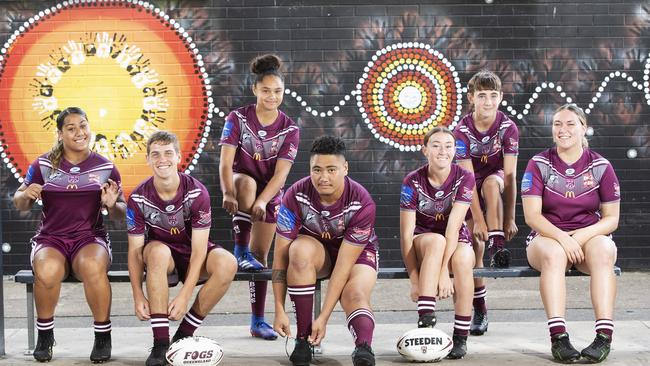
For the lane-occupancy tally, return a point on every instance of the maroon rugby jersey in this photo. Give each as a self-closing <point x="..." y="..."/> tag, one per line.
<point x="170" y="222"/>
<point x="571" y="194"/>
<point x="433" y="204"/>
<point x="259" y="147"/>
<point x="72" y="194"/>
<point x="351" y="218"/>
<point x="486" y="149"/>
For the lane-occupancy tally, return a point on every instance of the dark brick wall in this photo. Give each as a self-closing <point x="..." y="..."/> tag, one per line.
<point x="326" y="45"/>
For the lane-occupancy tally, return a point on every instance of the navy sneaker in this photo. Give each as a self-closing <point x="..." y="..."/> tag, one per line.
<point x="261" y="329"/>
<point x="247" y="263"/>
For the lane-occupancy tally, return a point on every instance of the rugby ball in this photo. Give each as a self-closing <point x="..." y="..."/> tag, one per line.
<point x="424" y="345"/>
<point x="194" y="350"/>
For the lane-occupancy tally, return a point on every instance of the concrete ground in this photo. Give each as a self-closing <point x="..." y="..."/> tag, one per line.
<point x="517" y="333"/>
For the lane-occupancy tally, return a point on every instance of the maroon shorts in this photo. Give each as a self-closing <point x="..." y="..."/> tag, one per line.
<point x="181" y="264"/>
<point x="69" y="246"/>
<point x="464" y="236"/>
<point x="369" y="256"/>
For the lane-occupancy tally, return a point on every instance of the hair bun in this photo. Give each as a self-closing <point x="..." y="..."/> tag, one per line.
<point x="265" y="63"/>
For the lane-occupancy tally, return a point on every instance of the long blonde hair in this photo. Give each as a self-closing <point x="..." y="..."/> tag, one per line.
<point x="582" y="117"/>
<point x="56" y="153"/>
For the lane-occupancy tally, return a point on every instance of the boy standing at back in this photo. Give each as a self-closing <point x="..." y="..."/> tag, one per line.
<point x="487" y="144"/>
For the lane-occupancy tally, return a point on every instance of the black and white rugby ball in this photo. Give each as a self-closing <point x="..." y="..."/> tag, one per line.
<point x="424" y="345"/>
<point x="195" y="350"/>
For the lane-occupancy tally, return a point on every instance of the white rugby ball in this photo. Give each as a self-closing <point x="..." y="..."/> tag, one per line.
<point x="424" y="345"/>
<point x="194" y="350"/>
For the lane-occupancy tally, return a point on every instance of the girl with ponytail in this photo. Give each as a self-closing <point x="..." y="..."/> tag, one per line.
<point x="74" y="184"/>
<point x="258" y="146"/>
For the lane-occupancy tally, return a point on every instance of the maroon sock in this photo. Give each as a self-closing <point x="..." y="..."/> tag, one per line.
<point x="497" y="239"/>
<point x="258" y="297"/>
<point x="479" y="299"/>
<point x="102" y="327"/>
<point x="191" y="321"/>
<point x="160" y="327"/>
<point x="556" y="325"/>
<point x="241" y="226"/>
<point x="462" y="324"/>
<point x="44" y="323"/>
<point x="361" y="324"/>
<point x="426" y="305"/>
<point x="303" y="303"/>
<point x="605" y="326"/>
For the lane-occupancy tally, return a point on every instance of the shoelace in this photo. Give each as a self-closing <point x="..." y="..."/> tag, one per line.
<point x="286" y="347"/>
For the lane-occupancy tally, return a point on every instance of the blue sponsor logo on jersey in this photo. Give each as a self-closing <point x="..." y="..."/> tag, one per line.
<point x="286" y="219"/>
<point x="407" y="195"/>
<point x="30" y="174"/>
<point x="227" y="129"/>
<point x="527" y="182"/>
<point x="461" y="148"/>
<point x="130" y="219"/>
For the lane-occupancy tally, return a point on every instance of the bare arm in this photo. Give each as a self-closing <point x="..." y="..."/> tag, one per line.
<point x="226" y="178"/>
<point x="534" y="218"/>
<point x="25" y="196"/>
<point x="606" y="225"/>
<point x="406" y="229"/>
<point x="178" y="306"/>
<point x="509" y="195"/>
<point x="136" y="271"/>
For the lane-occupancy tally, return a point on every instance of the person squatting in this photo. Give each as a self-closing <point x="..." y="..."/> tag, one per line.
<point x="460" y="201"/>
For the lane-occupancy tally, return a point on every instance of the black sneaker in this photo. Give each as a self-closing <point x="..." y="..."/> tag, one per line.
<point x="301" y="355"/>
<point x="44" y="344"/>
<point x="500" y="258"/>
<point x="102" y="348"/>
<point x="460" y="348"/>
<point x="178" y="336"/>
<point x="363" y="355"/>
<point x="563" y="350"/>
<point x="157" y="355"/>
<point x="598" y="350"/>
<point x="479" y="323"/>
<point x="427" y="320"/>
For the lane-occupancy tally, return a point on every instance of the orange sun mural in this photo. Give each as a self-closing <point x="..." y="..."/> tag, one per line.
<point x="131" y="67"/>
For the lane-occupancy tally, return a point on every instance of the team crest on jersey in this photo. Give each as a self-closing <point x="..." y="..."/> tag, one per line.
<point x="227" y="129"/>
<point x="205" y="217"/>
<point x="130" y="219"/>
<point x="406" y="195"/>
<point x="171" y="219"/>
<point x="72" y="181"/>
<point x="570" y="183"/>
<point x="526" y="182"/>
<point x="439" y="206"/>
<point x="588" y="180"/>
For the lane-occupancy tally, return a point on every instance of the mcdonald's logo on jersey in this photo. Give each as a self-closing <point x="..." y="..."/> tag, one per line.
<point x="71" y="186"/>
<point x="257" y="156"/>
<point x="326" y="235"/>
<point x="484" y="158"/>
<point x="174" y="230"/>
<point x="439" y="217"/>
<point x="570" y="194"/>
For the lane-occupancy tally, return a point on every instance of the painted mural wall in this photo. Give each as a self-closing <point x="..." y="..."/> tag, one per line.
<point x="379" y="74"/>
